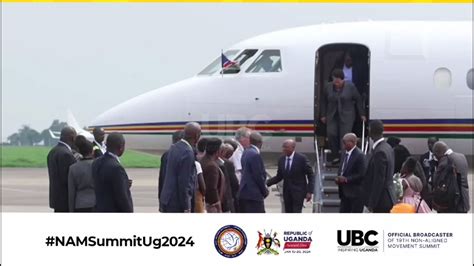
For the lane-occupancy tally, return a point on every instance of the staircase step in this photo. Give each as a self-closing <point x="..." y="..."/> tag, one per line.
<point x="331" y="189"/>
<point x="331" y="202"/>
<point x="331" y="177"/>
<point x="330" y="196"/>
<point x="328" y="183"/>
<point x="331" y="209"/>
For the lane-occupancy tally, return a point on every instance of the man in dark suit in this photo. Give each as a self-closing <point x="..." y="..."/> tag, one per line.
<point x="180" y="178"/>
<point x="98" y="144"/>
<point x="378" y="183"/>
<point x="59" y="159"/>
<point x="298" y="176"/>
<point x="340" y="103"/>
<point x="428" y="162"/>
<point x="252" y="190"/>
<point x="111" y="182"/>
<point x="177" y="136"/>
<point x="350" y="176"/>
<point x="443" y="153"/>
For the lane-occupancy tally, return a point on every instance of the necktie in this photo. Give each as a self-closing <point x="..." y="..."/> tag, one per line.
<point x="287" y="167"/>
<point x="346" y="159"/>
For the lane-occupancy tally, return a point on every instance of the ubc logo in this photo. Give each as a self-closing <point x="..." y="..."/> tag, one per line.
<point x="357" y="238"/>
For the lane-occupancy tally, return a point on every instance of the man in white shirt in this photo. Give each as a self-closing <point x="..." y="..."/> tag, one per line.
<point x="428" y="160"/>
<point x="99" y="146"/>
<point x="242" y="136"/>
<point x="347" y="68"/>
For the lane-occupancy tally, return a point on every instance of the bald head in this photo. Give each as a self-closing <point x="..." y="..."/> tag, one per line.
<point x="289" y="147"/>
<point x="439" y="149"/>
<point x="68" y="135"/>
<point x="350" y="141"/>
<point x="256" y="139"/>
<point x="192" y="132"/>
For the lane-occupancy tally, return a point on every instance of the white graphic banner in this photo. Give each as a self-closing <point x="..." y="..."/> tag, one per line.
<point x="235" y="239"/>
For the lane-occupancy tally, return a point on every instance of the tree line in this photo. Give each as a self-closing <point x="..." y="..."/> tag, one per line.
<point x="27" y="136"/>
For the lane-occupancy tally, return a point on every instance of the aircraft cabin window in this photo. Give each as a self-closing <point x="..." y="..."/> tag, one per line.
<point x="240" y="60"/>
<point x="267" y="61"/>
<point x="215" y="66"/>
<point x="469" y="79"/>
<point x="442" y="78"/>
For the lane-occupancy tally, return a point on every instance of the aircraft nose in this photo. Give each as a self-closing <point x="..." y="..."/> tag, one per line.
<point x="164" y="104"/>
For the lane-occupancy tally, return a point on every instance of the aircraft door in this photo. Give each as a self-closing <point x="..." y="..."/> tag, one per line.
<point x="354" y="60"/>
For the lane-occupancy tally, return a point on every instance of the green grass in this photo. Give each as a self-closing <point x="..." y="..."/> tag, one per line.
<point x="24" y="156"/>
<point x="135" y="159"/>
<point x="31" y="157"/>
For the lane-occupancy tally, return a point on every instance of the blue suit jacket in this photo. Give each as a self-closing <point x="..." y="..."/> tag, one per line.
<point x="180" y="179"/>
<point x="252" y="184"/>
<point x="111" y="185"/>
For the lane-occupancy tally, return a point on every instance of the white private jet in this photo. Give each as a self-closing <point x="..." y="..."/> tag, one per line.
<point x="416" y="76"/>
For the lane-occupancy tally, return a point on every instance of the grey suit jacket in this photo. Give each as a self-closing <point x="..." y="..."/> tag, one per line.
<point x="81" y="185"/>
<point x="462" y="168"/>
<point x="345" y="102"/>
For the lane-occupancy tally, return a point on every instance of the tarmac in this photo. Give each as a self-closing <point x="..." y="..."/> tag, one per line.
<point x="27" y="190"/>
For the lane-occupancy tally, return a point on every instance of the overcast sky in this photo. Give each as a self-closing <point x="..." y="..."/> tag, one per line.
<point x="90" y="57"/>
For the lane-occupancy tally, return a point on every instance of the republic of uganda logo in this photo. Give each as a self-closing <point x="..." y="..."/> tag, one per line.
<point x="230" y="241"/>
<point x="267" y="243"/>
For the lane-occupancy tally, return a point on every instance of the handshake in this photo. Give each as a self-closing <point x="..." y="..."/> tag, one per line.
<point x="271" y="182"/>
<point x="268" y="183"/>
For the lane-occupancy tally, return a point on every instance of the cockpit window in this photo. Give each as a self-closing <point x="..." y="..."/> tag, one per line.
<point x="216" y="64"/>
<point x="267" y="61"/>
<point x="240" y="61"/>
